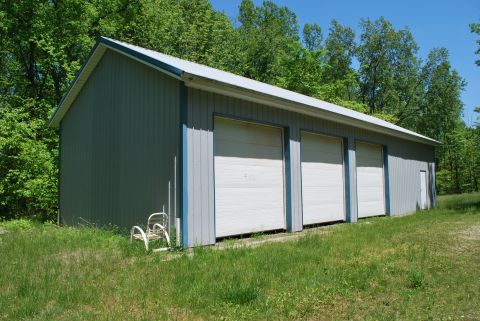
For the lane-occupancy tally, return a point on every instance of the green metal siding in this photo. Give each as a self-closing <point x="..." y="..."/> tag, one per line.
<point x="119" y="146"/>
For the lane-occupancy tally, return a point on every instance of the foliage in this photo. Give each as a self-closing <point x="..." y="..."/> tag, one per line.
<point x="475" y="27"/>
<point x="340" y="49"/>
<point x="43" y="44"/>
<point x="460" y="161"/>
<point x="422" y="266"/>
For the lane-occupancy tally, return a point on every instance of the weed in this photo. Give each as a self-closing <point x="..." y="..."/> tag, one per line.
<point x="406" y="268"/>
<point x="416" y="279"/>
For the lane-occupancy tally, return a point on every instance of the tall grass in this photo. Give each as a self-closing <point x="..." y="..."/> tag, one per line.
<point x="414" y="267"/>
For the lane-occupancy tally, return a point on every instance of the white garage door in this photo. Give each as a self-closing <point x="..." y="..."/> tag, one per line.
<point x="322" y="179"/>
<point x="249" y="194"/>
<point x="370" y="181"/>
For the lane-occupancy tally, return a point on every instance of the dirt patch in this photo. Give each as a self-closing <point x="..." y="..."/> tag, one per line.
<point x="467" y="239"/>
<point x="2" y="230"/>
<point x="270" y="238"/>
<point x="78" y="256"/>
<point x="471" y="234"/>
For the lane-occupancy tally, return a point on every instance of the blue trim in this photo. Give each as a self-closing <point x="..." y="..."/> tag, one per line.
<point x="387" y="180"/>
<point x="355" y="218"/>
<point x="301" y="173"/>
<point x="59" y="174"/>
<point x="368" y="141"/>
<point x="346" y="164"/>
<point x="214" y="196"/>
<point x="319" y="132"/>
<point x="288" y="179"/>
<point x="433" y="172"/>
<point x="184" y="162"/>
<point x="136" y="54"/>
<point x="248" y="120"/>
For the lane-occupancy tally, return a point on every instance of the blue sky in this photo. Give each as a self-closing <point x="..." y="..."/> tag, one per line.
<point x="439" y="23"/>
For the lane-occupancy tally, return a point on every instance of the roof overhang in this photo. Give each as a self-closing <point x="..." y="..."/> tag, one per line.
<point x="286" y="100"/>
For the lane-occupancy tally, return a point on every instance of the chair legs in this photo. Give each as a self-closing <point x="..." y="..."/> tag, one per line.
<point x="137" y="233"/>
<point x="142" y="233"/>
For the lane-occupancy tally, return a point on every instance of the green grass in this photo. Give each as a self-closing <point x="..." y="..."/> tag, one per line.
<point x="424" y="266"/>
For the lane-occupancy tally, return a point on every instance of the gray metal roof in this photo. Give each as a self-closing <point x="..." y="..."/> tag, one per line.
<point x="208" y="78"/>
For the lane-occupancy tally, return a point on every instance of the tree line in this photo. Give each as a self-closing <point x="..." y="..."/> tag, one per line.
<point x="43" y="43"/>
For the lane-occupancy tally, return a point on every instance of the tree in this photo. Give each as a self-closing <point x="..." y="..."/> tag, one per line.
<point x="186" y="29"/>
<point x="43" y="46"/>
<point x="340" y="80"/>
<point x="440" y="106"/>
<point x="44" y="42"/>
<point x="340" y="50"/>
<point x="269" y="37"/>
<point x="388" y="66"/>
<point x="477" y="123"/>
<point x="304" y="65"/>
<point x="475" y="28"/>
<point x="312" y="37"/>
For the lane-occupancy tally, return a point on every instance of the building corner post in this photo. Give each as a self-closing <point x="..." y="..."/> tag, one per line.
<point x="386" y="180"/>
<point x="288" y="181"/>
<point x="352" y="179"/>
<point x="346" y="159"/>
<point x="184" y="163"/>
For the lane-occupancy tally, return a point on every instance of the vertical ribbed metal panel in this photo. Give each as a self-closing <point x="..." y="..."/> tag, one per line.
<point x="352" y="163"/>
<point x="405" y="159"/>
<point x="120" y="145"/>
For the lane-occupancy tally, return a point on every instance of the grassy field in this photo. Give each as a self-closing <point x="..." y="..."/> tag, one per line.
<point x="424" y="266"/>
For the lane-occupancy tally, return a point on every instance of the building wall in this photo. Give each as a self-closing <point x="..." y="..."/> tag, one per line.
<point x="119" y="146"/>
<point x="405" y="160"/>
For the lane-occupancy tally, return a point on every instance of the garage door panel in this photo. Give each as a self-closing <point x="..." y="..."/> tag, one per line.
<point x="244" y="150"/>
<point x="370" y="194"/>
<point x="310" y="157"/>
<point x="247" y="174"/>
<point x="310" y="141"/>
<point x="323" y="196"/>
<point x="329" y="214"/>
<point x="322" y="179"/>
<point x="370" y="180"/>
<point x="372" y="207"/>
<point x="249" y="183"/>
<point x="244" y="201"/>
<point x="231" y="131"/>
<point x="329" y="179"/>
<point x="326" y="168"/>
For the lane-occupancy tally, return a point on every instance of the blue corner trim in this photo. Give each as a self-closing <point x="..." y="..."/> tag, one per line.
<point x="184" y="162"/>
<point x="141" y="56"/>
<point x="346" y="160"/>
<point x="288" y="179"/>
<point x="59" y="175"/>
<point x="387" y="180"/>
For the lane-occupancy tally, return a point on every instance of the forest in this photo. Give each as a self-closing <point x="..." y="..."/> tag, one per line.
<point x="377" y="71"/>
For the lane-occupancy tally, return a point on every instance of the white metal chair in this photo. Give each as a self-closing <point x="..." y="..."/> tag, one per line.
<point x="157" y="228"/>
